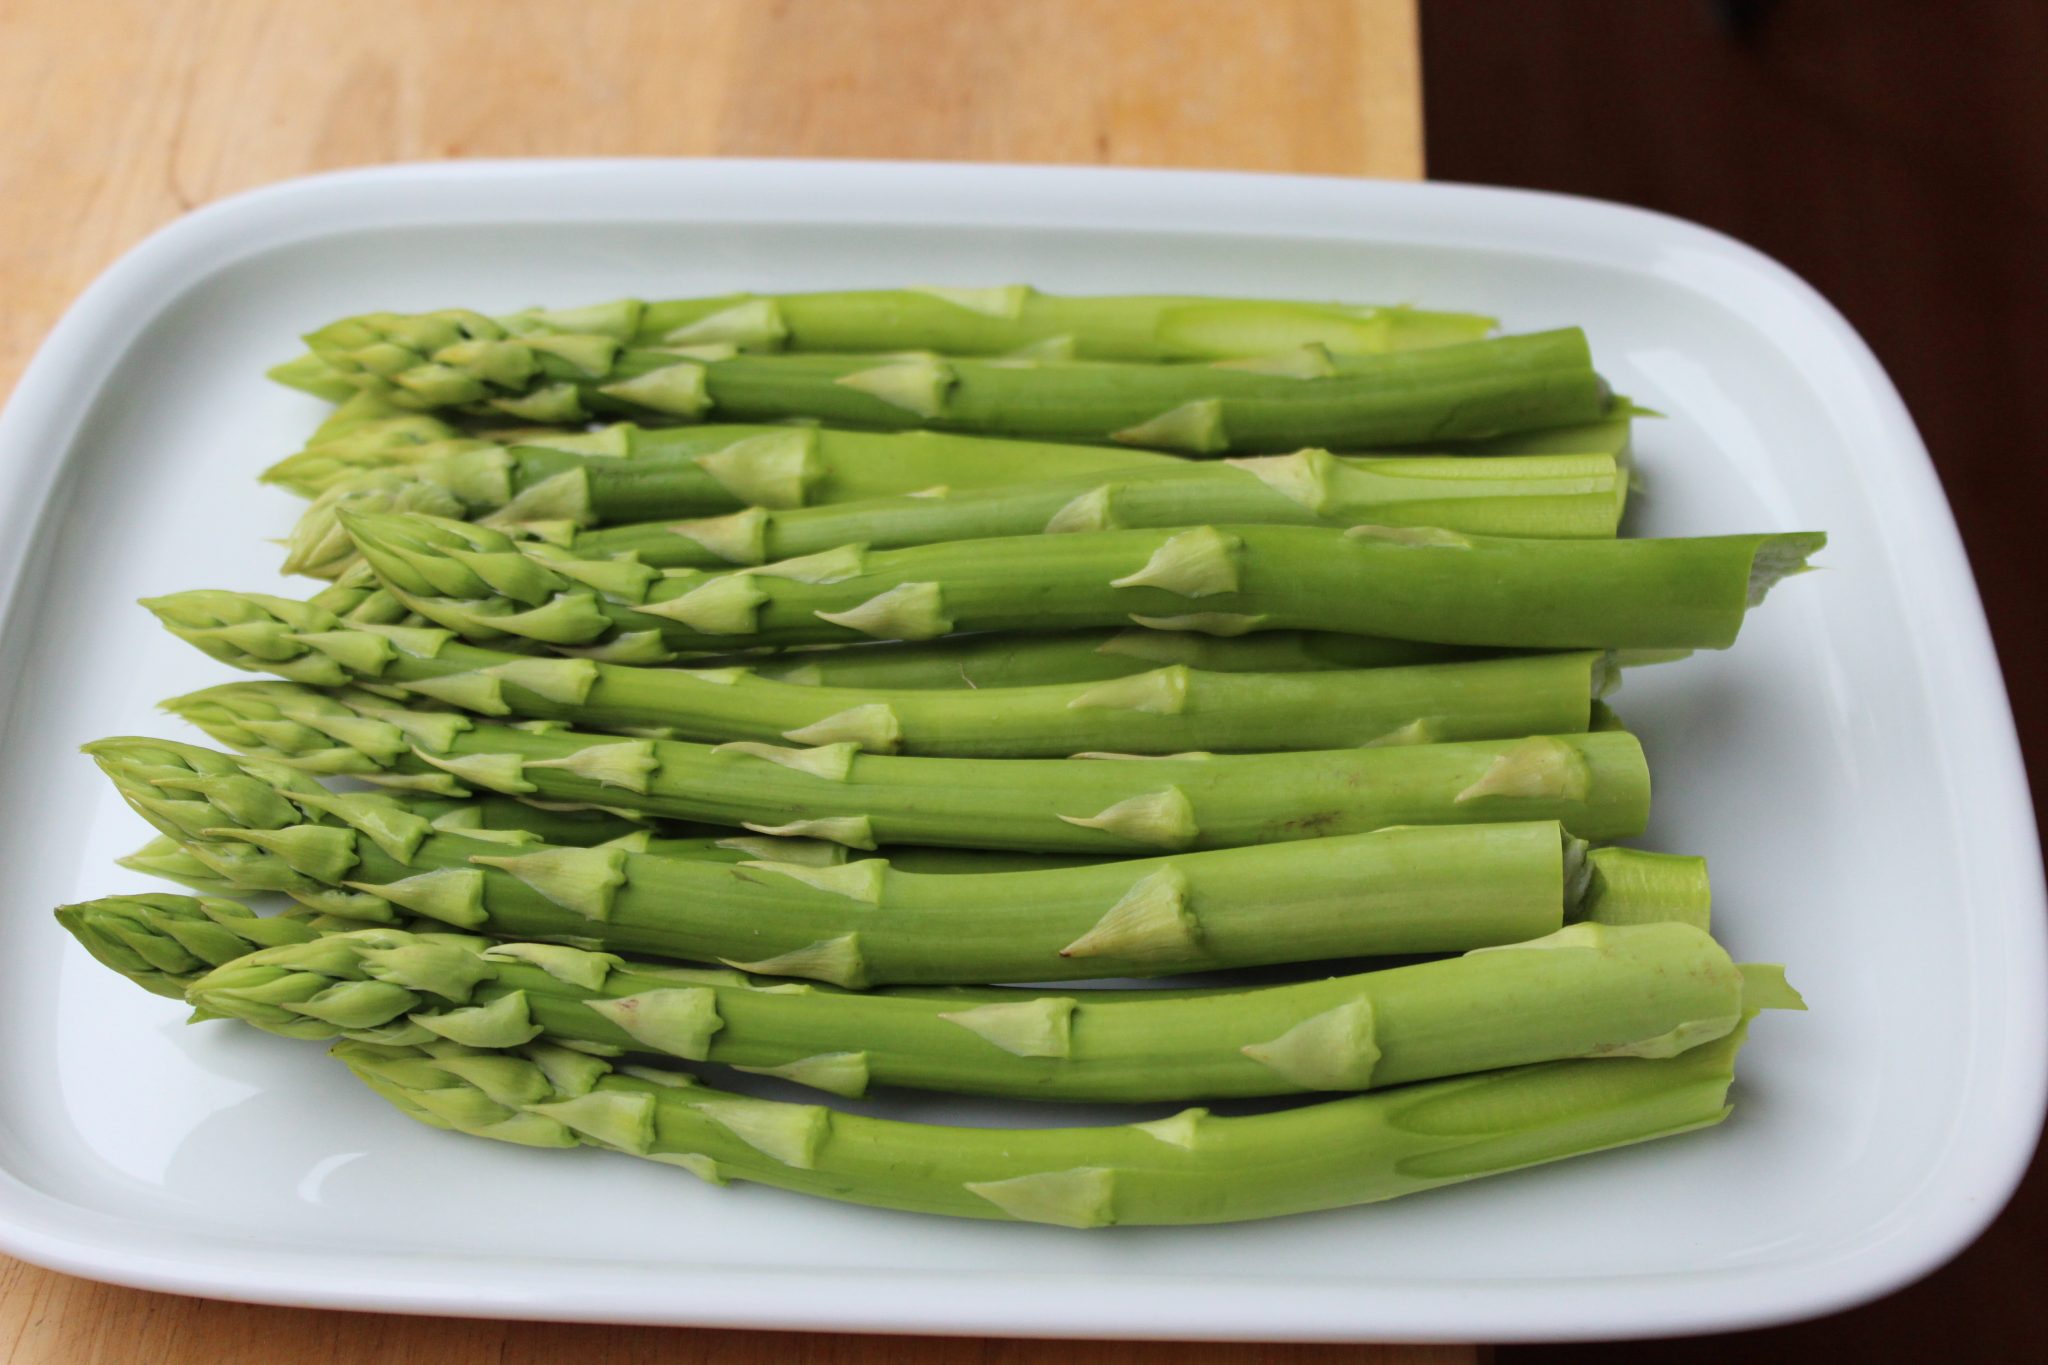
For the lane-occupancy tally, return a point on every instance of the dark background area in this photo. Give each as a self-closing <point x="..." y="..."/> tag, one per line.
<point x="1895" y="154"/>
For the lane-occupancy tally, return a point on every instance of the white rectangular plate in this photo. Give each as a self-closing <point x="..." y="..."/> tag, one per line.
<point x="1850" y="769"/>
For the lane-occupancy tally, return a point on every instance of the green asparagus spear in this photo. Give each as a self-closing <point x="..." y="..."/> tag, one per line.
<point x="486" y="815"/>
<point x="153" y="940"/>
<point x="1596" y="784"/>
<point x="1270" y="404"/>
<point x="1409" y="889"/>
<point x="1081" y="656"/>
<point x="981" y="321"/>
<point x="1553" y="496"/>
<point x="989" y="660"/>
<point x="630" y="474"/>
<point x="1413" y="583"/>
<point x="1193" y="1167"/>
<point x="501" y="819"/>
<point x="504" y="819"/>
<point x="1587" y="990"/>
<point x="165" y="857"/>
<point x="1170" y="710"/>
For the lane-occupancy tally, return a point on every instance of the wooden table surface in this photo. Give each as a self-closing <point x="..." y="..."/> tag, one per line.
<point x="122" y="114"/>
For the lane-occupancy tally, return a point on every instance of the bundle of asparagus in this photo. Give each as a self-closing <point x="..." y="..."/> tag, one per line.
<point x="788" y="748"/>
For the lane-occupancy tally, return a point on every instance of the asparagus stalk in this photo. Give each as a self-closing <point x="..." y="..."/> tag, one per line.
<point x="630" y="474"/>
<point x="166" y="857"/>
<point x="1169" y="710"/>
<point x="1596" y="784"/>
<point x="1418" y="584"/>
<point x="1395" y="890"/>
<point x="1082" y="656"/>
<point x="984" y="321"/>
<point x="1585" y="991"/>
<point x="154" y="940"/>
<point x="625" y="472"/>
<point x="990" y="660"/>
<point x="1541" y="496"/>
<point x="1271" y="404"/>
<point x="150" y="942"/>
<point x="504" y="820"/>
<point x="1194" y="1167"/>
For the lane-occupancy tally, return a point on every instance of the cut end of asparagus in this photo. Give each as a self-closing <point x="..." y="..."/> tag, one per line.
<point x="1605" y="674"/>
<point x="1578" y="869"/>
<point x="1780" y="557"/>
<point x="1764" y="987"/>
<point x="1629" y="886"/>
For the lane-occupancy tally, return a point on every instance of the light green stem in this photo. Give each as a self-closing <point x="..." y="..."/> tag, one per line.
<point x="1414" y="583"/>
<point x="1597" y="784"/>
<point x="503" y="820"/>
<point x="1588" y="990"/>
<point x="630" y="474"/>
<point x="1272" y="404"/>
<point x="154" y="938"/>
<point x="1538" y="496"/>
<point x="1194" y="1167"/>
<point x="1080" y="656"/>
<point x="1407" y="889"/>
<point x="979" y="321"/>
<point x="1169" y="710"/>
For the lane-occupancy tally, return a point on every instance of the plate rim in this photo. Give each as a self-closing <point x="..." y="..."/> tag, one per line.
<point x="1955" y="1201"/>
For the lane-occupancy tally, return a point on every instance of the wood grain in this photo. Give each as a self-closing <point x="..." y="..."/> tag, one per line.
<point x="122" y="114"/>
<point x="50" y="1319"/>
